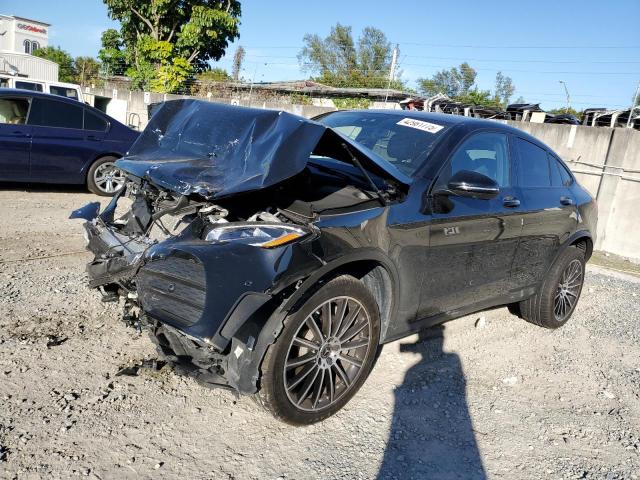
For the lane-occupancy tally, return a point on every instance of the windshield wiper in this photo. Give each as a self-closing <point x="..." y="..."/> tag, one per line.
<point x="357" y="163"/>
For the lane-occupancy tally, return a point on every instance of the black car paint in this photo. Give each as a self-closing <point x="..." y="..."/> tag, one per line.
<point x="424" y="264"/>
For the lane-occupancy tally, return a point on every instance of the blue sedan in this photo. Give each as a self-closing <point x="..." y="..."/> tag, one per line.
<point x="51" y="139"/>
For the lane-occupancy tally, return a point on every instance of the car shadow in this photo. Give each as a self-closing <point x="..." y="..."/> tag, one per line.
<point x="432" y="433"/>
<point x="43" y="187"/>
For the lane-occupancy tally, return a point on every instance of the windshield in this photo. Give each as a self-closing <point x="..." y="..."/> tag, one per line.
<point x="404" y="142"/>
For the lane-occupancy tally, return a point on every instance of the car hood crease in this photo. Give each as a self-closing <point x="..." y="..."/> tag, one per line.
<point x="217" y="150"/>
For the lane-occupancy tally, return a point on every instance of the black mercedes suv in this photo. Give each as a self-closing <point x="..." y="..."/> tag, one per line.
<point x="274" y="255"/>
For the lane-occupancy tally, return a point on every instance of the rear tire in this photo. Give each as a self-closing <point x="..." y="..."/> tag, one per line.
<point x="103" y="178"/>
<point x="324" y="354"/>
<point x="558" y="296"/>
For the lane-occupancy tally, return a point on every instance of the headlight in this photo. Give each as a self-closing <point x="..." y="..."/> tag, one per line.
<point x="260" y="235"/>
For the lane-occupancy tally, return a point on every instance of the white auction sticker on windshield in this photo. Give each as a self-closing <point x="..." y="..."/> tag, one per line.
<point x="420" y="125"/>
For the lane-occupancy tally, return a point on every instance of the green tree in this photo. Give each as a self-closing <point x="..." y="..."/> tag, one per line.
<point x="66" y="70"/>
<point x="481" y="98"/>
<point x="563" y="110"/>
<point x="238" y="58"/>
<point x="337" y="61"/>
<point x="87" y="70"/>
<point x="214" y="75"/>
<point x="166" y="41"/>
<point x="504" y="88"/>
<point x="112" y="54"/>
<point x="453" y="82"/>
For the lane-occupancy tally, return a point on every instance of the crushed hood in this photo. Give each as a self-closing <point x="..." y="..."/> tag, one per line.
<point x="217" y="150"/>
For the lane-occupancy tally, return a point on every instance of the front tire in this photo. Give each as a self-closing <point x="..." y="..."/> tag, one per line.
<point x="104" y="178"/>
<point x="323" y="355"/>
<point x="558" y="296"/>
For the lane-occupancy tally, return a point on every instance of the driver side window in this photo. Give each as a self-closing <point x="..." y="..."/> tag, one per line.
<point x="485" y="153"/>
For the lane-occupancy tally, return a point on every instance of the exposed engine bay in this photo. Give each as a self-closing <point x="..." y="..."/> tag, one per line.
<point x="204" y="268"/>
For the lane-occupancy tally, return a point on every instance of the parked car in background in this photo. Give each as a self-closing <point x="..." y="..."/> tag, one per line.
<point x="62" y="89"/>
<point x="259" y="267"/>
<point x="50" y="139"/>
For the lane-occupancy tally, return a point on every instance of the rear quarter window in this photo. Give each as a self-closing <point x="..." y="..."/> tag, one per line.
<point x="94" y="122"/>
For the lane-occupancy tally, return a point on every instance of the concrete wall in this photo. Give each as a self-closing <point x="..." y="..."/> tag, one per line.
<point x="606" y="161"/>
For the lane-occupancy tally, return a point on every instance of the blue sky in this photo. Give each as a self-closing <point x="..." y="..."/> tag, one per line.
<point x="592" y="45"/>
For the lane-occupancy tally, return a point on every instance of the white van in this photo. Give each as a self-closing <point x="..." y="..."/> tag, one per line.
<point x="69" y="90"/>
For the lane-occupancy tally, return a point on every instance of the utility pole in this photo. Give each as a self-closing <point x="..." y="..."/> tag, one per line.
<point x="566" y="91"/>
<point x="392" y="71"/>
<point x="634" y="105"/>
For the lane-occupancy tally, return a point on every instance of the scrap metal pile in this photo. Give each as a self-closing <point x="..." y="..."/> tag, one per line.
<point x="525" y="112"/>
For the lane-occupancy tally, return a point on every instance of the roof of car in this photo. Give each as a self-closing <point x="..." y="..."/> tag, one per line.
<point x="31" y="93"/>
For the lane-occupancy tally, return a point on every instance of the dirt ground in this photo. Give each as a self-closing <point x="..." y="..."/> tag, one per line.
<point x="487" y="396"/>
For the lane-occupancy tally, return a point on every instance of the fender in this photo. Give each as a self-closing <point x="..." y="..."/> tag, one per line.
<point x="567" y="243"/>
<point x="244" y="366"/>
<point x="361" y="255"/>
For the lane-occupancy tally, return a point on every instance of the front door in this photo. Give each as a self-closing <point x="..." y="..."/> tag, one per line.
<point x="473" y="241"/>
<point x="15" y="139"/>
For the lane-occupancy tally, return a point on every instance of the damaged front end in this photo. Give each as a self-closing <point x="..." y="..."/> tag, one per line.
<point x="204" y="282"/>
<point x="222" y="227"/>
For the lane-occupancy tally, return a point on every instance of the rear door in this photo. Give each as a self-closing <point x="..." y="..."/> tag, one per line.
<point x="549" y="212"/>
<point x="59" y="150"/>
<point x="473" y="241"/>
<point x="15" y="138"/>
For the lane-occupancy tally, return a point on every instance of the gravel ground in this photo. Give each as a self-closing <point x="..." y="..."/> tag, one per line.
<point x="487" y="396"/>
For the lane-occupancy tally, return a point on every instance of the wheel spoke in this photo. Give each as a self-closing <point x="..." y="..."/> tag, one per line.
<point x="306" y="388"/>
<point x="325" y="315"/>
<point x="303" y="342"/>
<point x="363" y="342"/>
<point x="342" y="374"/>
<point x="332" y="387"/>
<point x="302" y="375"/>
<point x="352" y="360"/>
<point x="297" y="362"/>
<point x="353" y="331"/>
<point x="319" y="389"/>
<point x="349" y="320"/>
<point x="341" y="311"/>
<point x="314" y="328"/>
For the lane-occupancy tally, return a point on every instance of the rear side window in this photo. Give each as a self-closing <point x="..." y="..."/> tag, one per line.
<point x="49" y="113"/>
<point x="485" y="153"/>
<point x="533" y="164"/>
<point x="34" y="87"/>
<point x="14" y="110"/>
<point x="565" y="180"/>
<point x="64" y="91"/>
<point x="94" y="122"/>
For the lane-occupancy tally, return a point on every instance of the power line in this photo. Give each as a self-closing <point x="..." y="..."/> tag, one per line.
<point x="536" y="47"/>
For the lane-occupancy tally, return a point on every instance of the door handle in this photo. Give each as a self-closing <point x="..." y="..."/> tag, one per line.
<point x="93" y="138"/>
<point x="566" y="200"/>
<point x="21" y="134"/>
<point x="510" y="202"/>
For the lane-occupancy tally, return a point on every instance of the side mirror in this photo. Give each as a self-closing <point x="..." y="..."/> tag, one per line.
<point x="466" y="183"/>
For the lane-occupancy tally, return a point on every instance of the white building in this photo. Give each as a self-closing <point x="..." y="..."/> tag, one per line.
<point x="19" y="37"/>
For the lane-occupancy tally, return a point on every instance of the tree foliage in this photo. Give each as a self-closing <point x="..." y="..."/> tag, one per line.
<point x="87" y="70"/>
<point x="166" y="41"/>
<point x="504" y="88"/>
<point x="338" y="61"/>
<point x="238" y="59"/>
<point x="453" y="82"/>
<point x="67" y="69"/>
<point x="112" y="53"/>
<point x="458" y="83"/>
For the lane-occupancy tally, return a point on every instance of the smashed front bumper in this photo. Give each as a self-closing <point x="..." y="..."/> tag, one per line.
<point x="205" y="304"/>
